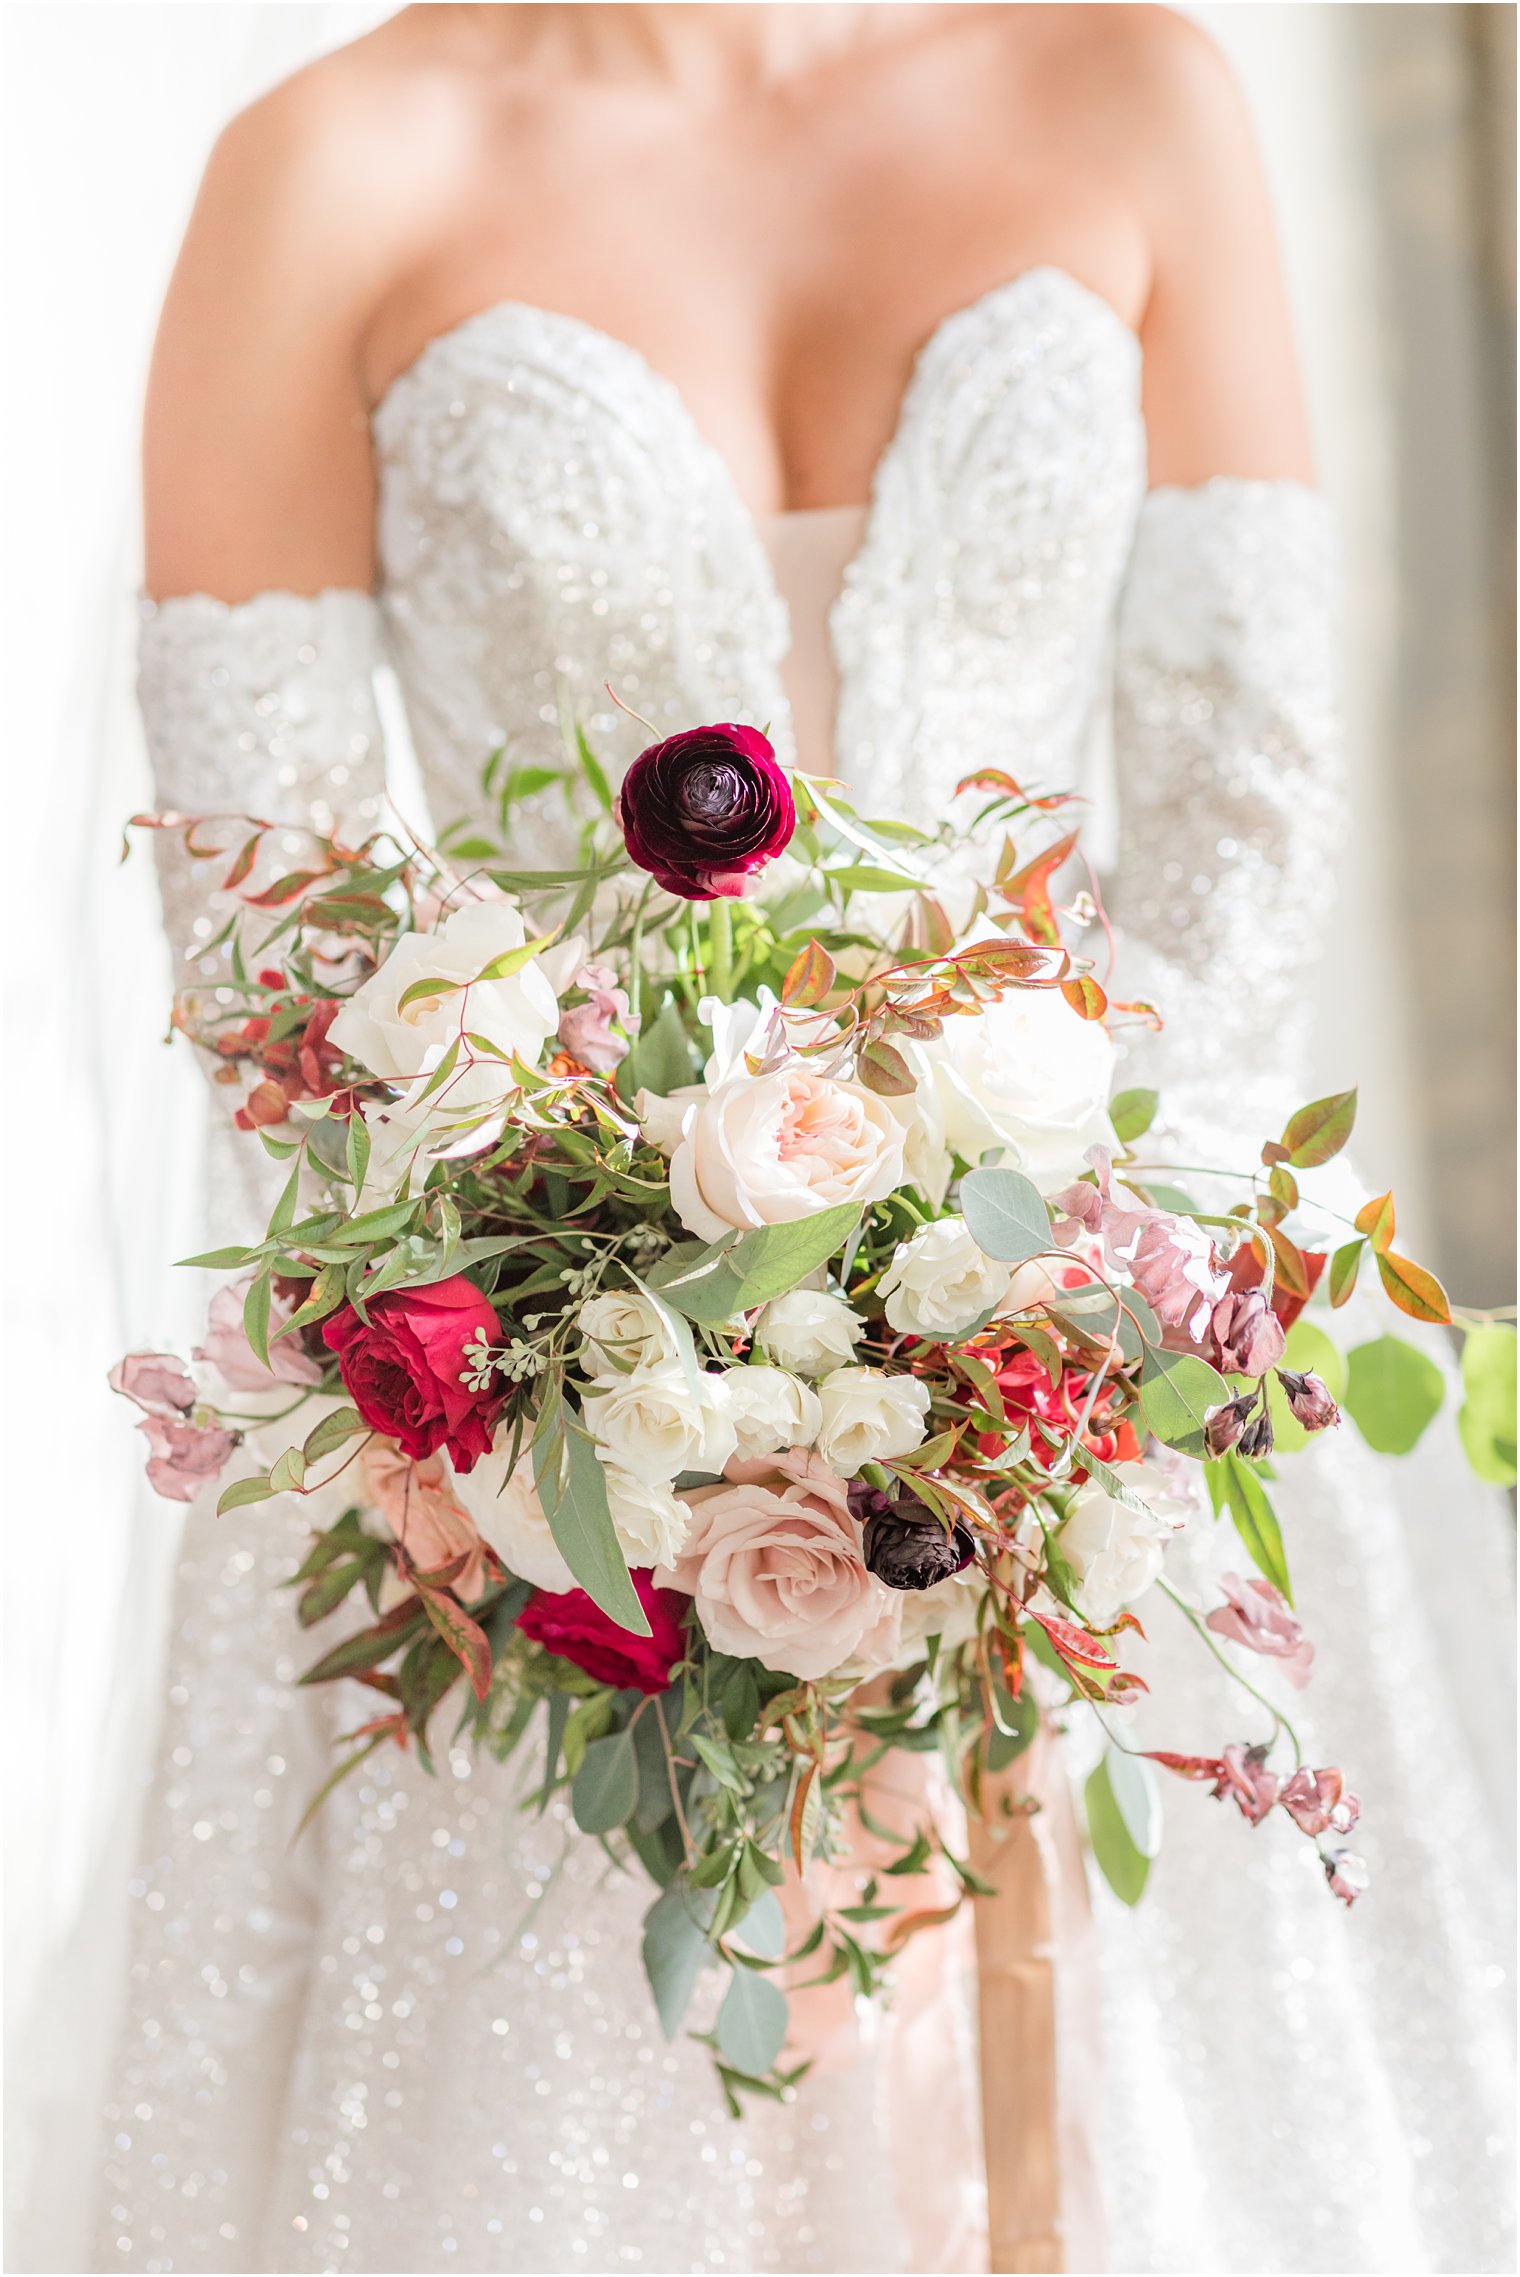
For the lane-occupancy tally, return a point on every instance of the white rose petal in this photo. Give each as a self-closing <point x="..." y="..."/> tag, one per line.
<point x="1115" y="1552"/>
<point x="809" y="1331"/>
<point x="509" y="1515"/>
<point x="651" y="1524"/>
<point x="869" y="1416"/>
<point x="622" y="1331"/>
<point x="947" y="1611"/>
<point x="770" y="1410"/>
<point x="940" y="1281"/>
<point x="517" y="1014"/>
<point x="649" y="1425"/>
<point x="1027" y="1079"/>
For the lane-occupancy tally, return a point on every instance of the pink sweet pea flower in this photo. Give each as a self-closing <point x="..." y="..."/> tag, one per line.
<point x="1259" y="1617"/>
<point x="1248" y="1336"/>
<point x="586" y="1030"/>
<point x="228" y="1351"/>
<point x="184" y="1456"/>
<point x="156" y="1381"/>
<point x="1317" y="1802"/>
<point x="1346" y="1873"/>
<point x="1245" y="1781"/>
<point x="1170" y="1261"/>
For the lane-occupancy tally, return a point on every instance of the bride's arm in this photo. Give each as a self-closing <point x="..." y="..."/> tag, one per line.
<point x="1226" y="727"/>
<point x="257" y="665"/>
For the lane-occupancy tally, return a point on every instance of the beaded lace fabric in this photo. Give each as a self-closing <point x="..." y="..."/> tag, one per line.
<point x="420" y="2039"/>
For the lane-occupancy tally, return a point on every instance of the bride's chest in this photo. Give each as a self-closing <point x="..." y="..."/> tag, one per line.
<point x="551" y="519"/>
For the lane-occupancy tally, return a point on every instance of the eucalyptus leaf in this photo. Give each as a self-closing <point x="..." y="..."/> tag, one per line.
<point x="606" y="1787"/>
<point x="1177" y="1390"/>
<point x="676" y="1949"/>
<point x="763" y="1929"/>
<point x="1006" y="1215"/>
<point x="752" y="2022"/>
<point x="1137" y="1795"/>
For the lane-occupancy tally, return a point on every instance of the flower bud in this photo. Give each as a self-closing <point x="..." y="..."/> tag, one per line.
<point x="1309" y="1400"/>
<point x="1256" y="1439"/>
<point x="1346" y="1873"/>
<point x="906" y="1545"/>
<point x="1222" y="1426"/>
<point x="1248" y="1336"/>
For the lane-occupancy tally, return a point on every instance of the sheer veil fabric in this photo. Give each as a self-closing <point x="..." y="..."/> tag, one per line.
<point x="421" y="2042"/>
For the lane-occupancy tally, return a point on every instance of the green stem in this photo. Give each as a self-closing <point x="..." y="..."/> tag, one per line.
<point x="720" y="948"/>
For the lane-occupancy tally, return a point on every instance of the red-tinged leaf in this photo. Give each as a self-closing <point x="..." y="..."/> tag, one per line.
<point x="1141" y="1010"/>
<point x="809" y="977"/>
<point x="1013" y="1666"/>
<point x="995" y="779"/>
<point x="1126" y="1621"/>
<point x="1292" y="1271"/>
<point x="1375" y="1220"/>
<point x="369" y="1647"/>
<point x="906" y="1925"/>
<point x="1186" y="1766"/>
<point x="1319" y="1131"/>
<point x="1412" y="1289"/>
<point x="801" y="1822"/>
<point x="932" y="929"/>
<point x="265" y="1104"/>
<point x="1074" y="1645"/>
<point x="1030" y="886"/>
<point x="882" y="1068"/>
<point x="465" y="1638"/>
<point x="1343" y="1271"/>
<point x="288" y="888"/>
<point x="1124" y="1687"/>
<point x="1285" y="1303"/>
<point x="1085" y="996"/>
<point x="1273" y="1152"/>
<point x="243" y="862"/>
<point x="1283" y="1186"/>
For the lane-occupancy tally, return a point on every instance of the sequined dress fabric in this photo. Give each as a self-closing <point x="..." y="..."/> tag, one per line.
<point x="419" y="2038"/>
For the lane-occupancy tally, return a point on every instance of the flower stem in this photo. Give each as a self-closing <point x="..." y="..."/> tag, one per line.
<point x="720" y="948"/>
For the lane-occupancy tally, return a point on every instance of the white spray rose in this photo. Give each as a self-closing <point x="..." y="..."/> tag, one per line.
<point x="1115" y="1552"/>
<point x="508" y="1514"/>
<point x="770" y="1410"/>
<point x="940" y="1281"/>
<point x="1028" y="1079"/>
<point x="622" y="1330"/>
<point x="651" y="1524"/>
<point x="947" y="1611"/>
<point x="809" y="1331"/>
<point x="517" y="1014"/>
<point x="651" y="1426"/>
<point x="869" y="1416"/>
<point x="772" y="1149"/>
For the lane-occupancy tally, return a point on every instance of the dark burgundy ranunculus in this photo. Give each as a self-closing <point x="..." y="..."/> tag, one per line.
<point x="403" y="1370"/>
<point x="573" y="1625"/>
<point x="705" y="809"/>
<point x="905" y="1544"/>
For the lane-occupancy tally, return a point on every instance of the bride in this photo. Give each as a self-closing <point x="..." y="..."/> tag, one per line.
<point x="915" y="380"/>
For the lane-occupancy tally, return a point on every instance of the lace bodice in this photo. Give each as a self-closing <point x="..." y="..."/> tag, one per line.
<point x="424" y="2046"/>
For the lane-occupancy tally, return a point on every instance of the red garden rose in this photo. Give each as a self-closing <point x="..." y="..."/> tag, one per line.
<point x="403" y="1370"/>
<point x="705" y="808"/>
<point x="573" y="1625"/>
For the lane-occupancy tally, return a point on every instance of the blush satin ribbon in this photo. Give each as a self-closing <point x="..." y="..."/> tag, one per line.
<point x="1004" y="2180"/>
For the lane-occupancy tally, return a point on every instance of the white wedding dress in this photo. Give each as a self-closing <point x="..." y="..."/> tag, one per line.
<point x="420" y="2040"/>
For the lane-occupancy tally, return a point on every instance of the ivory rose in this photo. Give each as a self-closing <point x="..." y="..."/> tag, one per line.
<point x="770" y="1149"/>
<point x="869" y="1416"/>
<point x="939" y="1282"/>
<point x="516" y="1014"/>
<point x="1115" y="1552"/>
<point x="774" y="1563"/>
<point x="809" y="1331"/>
<point x="622" y="1331"/>
<point x="505" y="1507"/>
<point x="769" y="1410"/>
<point x="651" y="1425"/>
<point x="650" y="1520"/>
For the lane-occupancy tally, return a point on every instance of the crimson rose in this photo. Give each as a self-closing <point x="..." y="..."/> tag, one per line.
<point x="573" y="1625"/>
<point x="703" y="809"/>
<point x="403" y="1370"/>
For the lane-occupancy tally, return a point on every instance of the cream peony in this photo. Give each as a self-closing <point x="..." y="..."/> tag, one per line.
<point x="773" y="1561"/>
<point x="517" y="1014"/>
<point x="505" y="1507"/>
<point x="1026" y="1079"/>
<point x="650" y="1425"/>
<point x="769" y="1410"/>
<point x="651" y="1522"/>
<point x="622" y="1331"/>
<point x="1115" y="1552"/>
<point x="939" y="1282"/>
<point x="770" y="1149"/>
<point x="869" y="1416"/>
<point x="809" y="1331"/>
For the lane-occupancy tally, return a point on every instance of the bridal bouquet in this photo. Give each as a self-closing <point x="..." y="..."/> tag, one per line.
<point x="717" y="1297"/>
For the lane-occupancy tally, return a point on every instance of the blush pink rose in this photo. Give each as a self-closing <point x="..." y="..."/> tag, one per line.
<point x="228" y="1351"/>
<point x="775" y="1564"/>
<point x="422" y="1515"/>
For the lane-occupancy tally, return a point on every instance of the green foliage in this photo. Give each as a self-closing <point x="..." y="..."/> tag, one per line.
<point x="1177" y="1390"/>
<point x="1132" y="1114"/>
<point x="1250" y="1506"/>
<point x="752" y="2022"/>
<point x="1486" y="1418"/>
<point x="606" y="1787"/>
<point x="573" y="1490"/>
<point x="1124" y="1865"/>
<point x="1005" y="1214"/>
<point x="1392" y="1392"/>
